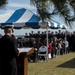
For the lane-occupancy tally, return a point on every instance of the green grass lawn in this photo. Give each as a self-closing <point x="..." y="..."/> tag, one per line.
<point x="61" y="65"/>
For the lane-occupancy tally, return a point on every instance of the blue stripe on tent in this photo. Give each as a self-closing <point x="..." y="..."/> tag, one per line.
<point x="36" y="27"/>
<point x="63" y="27"/>
<point x="16" y="15"/>
<point x="33" y="22"/>
<point x="58" y="24"/>
<point x="3" y="24"/>
<point x="17" y="27"/>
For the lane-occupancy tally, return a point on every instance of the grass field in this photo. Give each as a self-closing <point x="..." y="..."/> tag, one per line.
<point x="61" y="65"/>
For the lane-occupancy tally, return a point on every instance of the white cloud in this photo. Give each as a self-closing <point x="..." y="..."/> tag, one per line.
<point x="28" y="6"/>
<point x="9" y="11"/>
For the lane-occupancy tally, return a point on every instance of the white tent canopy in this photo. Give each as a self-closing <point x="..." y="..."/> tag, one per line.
<point x="26" y="18"/>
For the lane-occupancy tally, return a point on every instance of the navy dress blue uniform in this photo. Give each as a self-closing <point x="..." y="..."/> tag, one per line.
<point x="8" y="54"/>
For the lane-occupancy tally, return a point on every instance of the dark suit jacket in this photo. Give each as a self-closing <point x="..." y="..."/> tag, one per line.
<point x="8" y="53"/>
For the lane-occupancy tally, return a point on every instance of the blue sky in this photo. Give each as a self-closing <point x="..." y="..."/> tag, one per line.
<point x="17" y="4"/>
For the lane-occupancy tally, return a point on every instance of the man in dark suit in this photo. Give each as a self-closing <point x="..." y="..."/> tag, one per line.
<point x="8" y="53"/>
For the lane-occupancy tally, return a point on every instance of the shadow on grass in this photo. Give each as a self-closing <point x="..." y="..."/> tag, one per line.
<point x="68" y="64"/>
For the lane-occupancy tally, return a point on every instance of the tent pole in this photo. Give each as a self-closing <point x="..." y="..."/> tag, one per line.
<point x="47" y="43"/>
<point x="65" y="41"/>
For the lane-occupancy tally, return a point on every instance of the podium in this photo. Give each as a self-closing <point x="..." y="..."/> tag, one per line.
<point x="22" y="60"/>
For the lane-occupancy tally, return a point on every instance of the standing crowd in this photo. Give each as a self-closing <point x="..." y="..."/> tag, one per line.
<point x="58" y="42"/>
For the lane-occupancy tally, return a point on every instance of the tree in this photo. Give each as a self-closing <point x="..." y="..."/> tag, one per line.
<point x="3" y="3"/>
<point x="60" y="7"/>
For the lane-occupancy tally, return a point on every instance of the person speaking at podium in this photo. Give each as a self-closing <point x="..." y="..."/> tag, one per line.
<point x="8" y="53"/>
